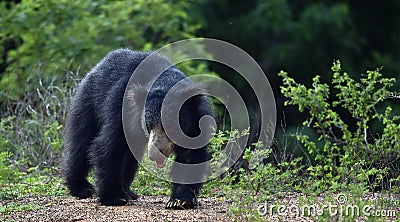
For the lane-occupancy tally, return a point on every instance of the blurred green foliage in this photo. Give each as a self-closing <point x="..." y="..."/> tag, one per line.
<point x="54" y="35"/>
<point x="305" y="36"/>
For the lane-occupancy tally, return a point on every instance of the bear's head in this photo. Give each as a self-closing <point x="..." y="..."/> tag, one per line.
<point x="185" y="104"/>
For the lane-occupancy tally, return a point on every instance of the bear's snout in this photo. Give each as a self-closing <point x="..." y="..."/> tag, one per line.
<point x="159" y="147"/>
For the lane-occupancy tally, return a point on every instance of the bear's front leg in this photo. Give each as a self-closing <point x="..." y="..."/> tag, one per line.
<point x="184" y="196"/>
<point x="187" y="173"/>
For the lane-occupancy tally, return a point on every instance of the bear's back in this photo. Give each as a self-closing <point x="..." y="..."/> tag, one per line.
<point x="110" y="77"/>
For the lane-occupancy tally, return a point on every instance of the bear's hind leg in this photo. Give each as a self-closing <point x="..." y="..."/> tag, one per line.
<point x="130" y="169"/>
<point x="139" y="142"/>
<point x="110" y="159"/>
<point x="76" y="181"/>
<point x="80" y="132"/>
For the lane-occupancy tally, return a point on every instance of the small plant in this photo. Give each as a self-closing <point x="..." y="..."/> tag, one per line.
<point x="365" y="148"/>
<point x="7" y="173"/>
<point x="147" y="183"/>
<point x="15" y="182"/>
<point x="245" y="190"/>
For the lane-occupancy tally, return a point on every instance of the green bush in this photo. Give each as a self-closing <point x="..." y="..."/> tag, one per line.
<point x="358" y="145"/>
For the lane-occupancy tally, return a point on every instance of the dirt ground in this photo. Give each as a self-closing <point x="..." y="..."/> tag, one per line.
<point x="146" y="208"/>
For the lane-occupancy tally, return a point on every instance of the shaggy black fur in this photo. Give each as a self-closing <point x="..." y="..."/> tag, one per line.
<point x="94" y="134"/>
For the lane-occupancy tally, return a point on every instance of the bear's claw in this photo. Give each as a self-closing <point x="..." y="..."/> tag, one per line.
<point x="177" y="204"/>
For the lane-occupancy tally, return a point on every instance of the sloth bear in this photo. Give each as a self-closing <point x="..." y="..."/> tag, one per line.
<point x="95" y="138"/>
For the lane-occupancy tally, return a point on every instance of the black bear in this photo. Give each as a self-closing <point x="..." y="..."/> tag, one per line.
<point x="95" y="138"/>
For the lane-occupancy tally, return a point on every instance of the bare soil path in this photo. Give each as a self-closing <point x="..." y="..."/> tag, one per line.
<point x="147" y="208"/>
<point x="151" y="208"/>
